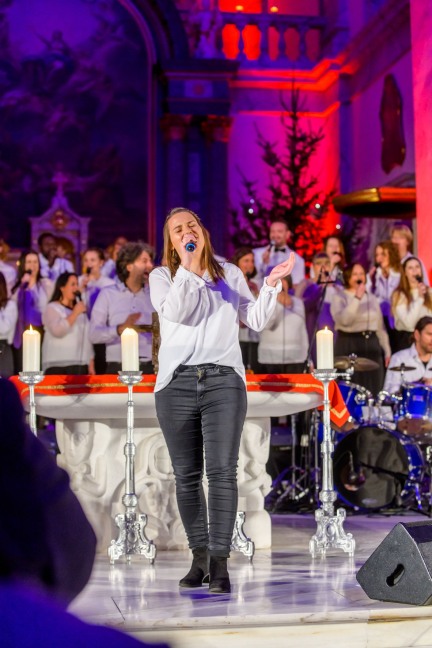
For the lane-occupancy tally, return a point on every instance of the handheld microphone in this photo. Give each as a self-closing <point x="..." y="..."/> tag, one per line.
<point x="359" y="281"/>
<point x="419" y="278"/>
<point x="190" y="246"/>
<point x="271" y="245"/>
<point x="77" y="294"/>
<point x="27" y="274"/>
<point x="88" y="271"/>
<point x="376" y="265"/>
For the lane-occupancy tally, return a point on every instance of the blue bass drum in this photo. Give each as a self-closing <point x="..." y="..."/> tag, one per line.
<point x="375" y="467"/>
<point x="356" y="398"/>
<point x="414" y="414"/>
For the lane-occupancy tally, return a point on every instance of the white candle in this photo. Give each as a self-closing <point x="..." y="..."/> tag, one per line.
<point x="31" y="350"/>
<point x="129" y="350"/>
<point x="324" y="343"/>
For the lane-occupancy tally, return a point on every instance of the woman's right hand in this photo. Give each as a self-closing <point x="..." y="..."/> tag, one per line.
<point x="190" y="260"/>
<point x="360" y="290"/>
<point x="422" y="289"/>
<point x="84" y="281"/>
<point x="79" y="308"/>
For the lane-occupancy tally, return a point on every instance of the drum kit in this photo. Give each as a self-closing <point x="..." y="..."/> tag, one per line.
<point x="383" y="460"/>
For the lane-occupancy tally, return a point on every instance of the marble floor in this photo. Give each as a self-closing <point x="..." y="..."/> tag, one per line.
<point x="283" y="599"/>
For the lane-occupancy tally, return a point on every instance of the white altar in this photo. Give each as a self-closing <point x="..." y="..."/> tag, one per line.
<point x="90" y="429"/>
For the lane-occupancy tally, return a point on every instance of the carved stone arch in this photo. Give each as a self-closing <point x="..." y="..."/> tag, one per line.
<point x="166" y="27"/>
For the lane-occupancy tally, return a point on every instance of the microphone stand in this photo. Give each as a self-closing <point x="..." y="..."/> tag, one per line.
<point x="306" y="367"/>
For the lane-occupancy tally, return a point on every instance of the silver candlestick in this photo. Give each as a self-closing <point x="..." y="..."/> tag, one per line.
<point x="31" y="378"/>
<point x="132" y="539"/>
<point x="240" y="541"/>
<point x="330" y="533"/>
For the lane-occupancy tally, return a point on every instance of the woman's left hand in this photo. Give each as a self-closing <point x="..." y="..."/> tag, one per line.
<point x="280" y="271"/>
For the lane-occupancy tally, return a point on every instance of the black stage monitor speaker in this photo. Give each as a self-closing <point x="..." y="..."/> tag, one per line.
<point x="400" y="569"/>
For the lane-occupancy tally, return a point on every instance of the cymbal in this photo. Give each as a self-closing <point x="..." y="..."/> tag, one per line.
<point x="358" y="364"/>
<point x="402" y="367"/>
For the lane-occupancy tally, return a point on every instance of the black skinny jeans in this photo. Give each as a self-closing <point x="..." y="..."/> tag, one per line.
<point x="204" y="408"/>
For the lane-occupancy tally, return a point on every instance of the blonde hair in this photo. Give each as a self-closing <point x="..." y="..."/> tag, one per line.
<point x="172" y="258"/>
<point x="405" y="231"/>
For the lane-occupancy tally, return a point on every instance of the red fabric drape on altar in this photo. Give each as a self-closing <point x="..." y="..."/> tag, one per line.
<point x="106" y="384"/>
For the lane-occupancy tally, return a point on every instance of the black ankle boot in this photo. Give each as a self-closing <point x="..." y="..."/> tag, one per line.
<point x="219" y="577"/>
<point x="198" y="573"/>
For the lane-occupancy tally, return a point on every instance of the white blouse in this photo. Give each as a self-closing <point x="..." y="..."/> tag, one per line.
<point x="407" y="315"/>
<point x="8" y="320"/>
<point x="92" y="290"/>
<point x="383" y="289"/>
<point x="353" y="315"/>
<point x="199" y="319"/>
<point x="284" y="339"/>
<point x="65" y="344"/>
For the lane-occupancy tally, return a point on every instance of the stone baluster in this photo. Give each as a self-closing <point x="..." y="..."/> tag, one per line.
<point x="263" y="27"/>
<point x="241" y="24"/>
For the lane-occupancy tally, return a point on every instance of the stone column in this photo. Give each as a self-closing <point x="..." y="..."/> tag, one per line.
<point x="217" y="130"/>
<point x="175" y="129"/>
<point x="421" y="44"/>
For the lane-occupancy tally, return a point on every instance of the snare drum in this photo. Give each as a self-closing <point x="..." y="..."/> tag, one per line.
<point x="414" y="414"/>
<point x="373" y="465"/>
<point x="356" y="398"/>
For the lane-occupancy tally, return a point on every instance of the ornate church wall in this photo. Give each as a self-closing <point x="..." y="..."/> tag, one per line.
<point x="369" y="129"/>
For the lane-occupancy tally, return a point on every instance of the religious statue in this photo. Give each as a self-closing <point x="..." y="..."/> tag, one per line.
<point x="393" y="146"/>
<point x="206" y="22"/>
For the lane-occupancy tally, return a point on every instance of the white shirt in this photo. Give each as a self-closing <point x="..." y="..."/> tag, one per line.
<point x="113" y="305"/>
<point x="410" y="358"/>
<point x="10" y="275"/>
<point x="199" y="319"/>
<point x="65" y="344"/>
<point x="8" y="320"/>
<point x="407" y="315"/>
<point x="109" y="269"/>
<point x="284" y="339"/>
<point x="297" y="274"/>
<point x="58" y="267"/>
<point x="353" y="315"/>
<point x="383" y="289"/>
<point x="92" y="290"/>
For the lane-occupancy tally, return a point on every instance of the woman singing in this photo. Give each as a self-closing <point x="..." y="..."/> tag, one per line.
<point x="411" y="300"/>
<point x="31" y="293"/>
<point x="360" y="327"/>
<point x="200" y="389"/>
<point x="8" y="320"/>
<point x="66" y="348"/>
